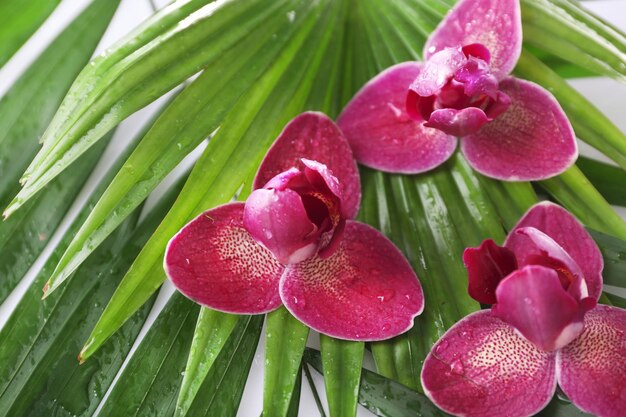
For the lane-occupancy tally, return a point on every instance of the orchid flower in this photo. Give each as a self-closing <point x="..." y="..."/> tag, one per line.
<point x="407" y="119"/>
<point x="544" y="327"/>
<point x="294" y="242"/>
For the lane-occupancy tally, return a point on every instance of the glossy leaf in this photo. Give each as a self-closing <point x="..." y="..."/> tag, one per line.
<point x="27" y="108"/>
<point x="24" y="112"/>
<point x="342" y="360"/>
<point x="575" y="35"/>
<point x="285" y="340"/>
<point x="24" y="236"/>
<point x="145" y="75"/>
<point x="614" y="254"/>
<point x="193" y="116"/>
<point x="18" y="21"/>
<point x="230" y="158"/>
<point x="44" y="335"/>
<point x="578" y="195"/>
<point x="45" y="376"/>
<point x="149" y="383"/>
<point x="212" y="332"/>
<point x="221" y="390"/>
<point x="609" y="180"/>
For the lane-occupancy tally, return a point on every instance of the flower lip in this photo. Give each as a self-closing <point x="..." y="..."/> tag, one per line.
<point x="456" y="91"/>
<point x="297" y="213"/>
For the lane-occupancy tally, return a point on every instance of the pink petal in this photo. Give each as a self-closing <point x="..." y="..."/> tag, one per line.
<point x="365" y="291"/>
<point x="496" y="24"/>
<point x="487" y="265"/>
<point x="458" y="122"/>
<point x="532" y="140"/>
<point x="437" y="71"/>
<point x="382" y="134"/>
<point x="567" y="231"/>
<point x="592" y="368"/>
<point x="214" y="261"/>
<point x="482" y="368"/>
<point x="278" y="220"/>
<point x="314" y="136"/>
<point x="533" y="301"/>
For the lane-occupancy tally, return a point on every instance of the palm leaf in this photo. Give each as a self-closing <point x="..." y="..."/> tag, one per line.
<point x="19" y="20"/>
<point x="24" y="113"/>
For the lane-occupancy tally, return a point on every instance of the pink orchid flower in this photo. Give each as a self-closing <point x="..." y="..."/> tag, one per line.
<point x="294" y="242"/>
<point x="544" y="327"/>
<point x="510" y="129"/>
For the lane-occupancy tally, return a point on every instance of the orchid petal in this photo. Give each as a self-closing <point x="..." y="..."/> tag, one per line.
<point x="482" y="368"/>
<point x="567" y="231"/>
<point x="214" y="261"/>
<point x="532" y="140"/>
<point x="496" y="24"/>
<point x="314" y="136"/>
<point x="533" y="301"/>
<point x="382" y="134"/>
<point x="543" y="250"/>
<point x="437" y="71"/>
<point x="458" y="122"/>
<point x="487" y="265"/>
<point x="591" y="369"/>
<point x="279" y="221"/>
<point x="366" y="290"/>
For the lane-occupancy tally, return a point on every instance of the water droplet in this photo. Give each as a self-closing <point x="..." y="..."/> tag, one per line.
<point x="386" y="327"/>
<point x="441" y="347"/>
<point x="456" y="367"/>
<point x="386" y="295"/>
<point x="466" y="334"/>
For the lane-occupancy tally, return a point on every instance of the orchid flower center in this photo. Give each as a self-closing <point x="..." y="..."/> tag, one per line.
<point x="456" y="91"/>
<point x="297" y="214"/>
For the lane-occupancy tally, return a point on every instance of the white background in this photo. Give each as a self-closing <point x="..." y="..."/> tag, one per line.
<point x="607" y="95"/>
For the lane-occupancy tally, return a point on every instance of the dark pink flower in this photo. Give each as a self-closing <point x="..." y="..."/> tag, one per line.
<point x="294" y="242"/>
<point x="544" y="327"/>
<point x="510" y="129"/>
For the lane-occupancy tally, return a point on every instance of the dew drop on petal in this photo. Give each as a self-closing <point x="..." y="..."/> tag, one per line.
<point x="441" y="347"/>
<point x="456" y="367"/>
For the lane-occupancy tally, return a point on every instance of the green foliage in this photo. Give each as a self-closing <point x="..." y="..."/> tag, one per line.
<point x="19" y="20"/>
<point x="25" y="111"/>
<point x="261" y="62"/>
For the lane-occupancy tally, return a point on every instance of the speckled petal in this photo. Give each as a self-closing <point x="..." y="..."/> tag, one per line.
<point x="533" y="301"/>
<point x="496" y="24"/>
<point x="592" y="369"/>
<point x="365" y="291"/>
<point x="482" y="368"/>
<point x="314" y="136"/>
<point x="567" y="231"/>
<point x="532" y="140"/>
<point x="214" y="261"/>
<point x="382" y="134"/>
<point x="487" y="265"/>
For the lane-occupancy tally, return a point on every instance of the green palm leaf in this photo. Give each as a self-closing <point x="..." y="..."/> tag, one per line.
<point x="19" y="20"/>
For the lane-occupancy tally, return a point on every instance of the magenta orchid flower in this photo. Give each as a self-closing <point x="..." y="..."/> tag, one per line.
<point x="510" y="129"/>
<point x="294" y="242"/>
<point x="544" y="327"/>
